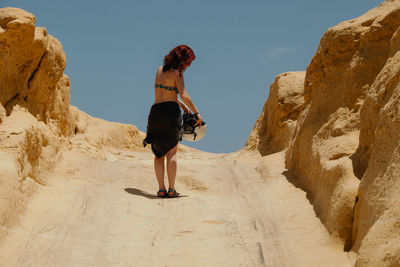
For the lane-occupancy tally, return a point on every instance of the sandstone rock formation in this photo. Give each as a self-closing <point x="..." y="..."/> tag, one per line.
<point x="32" y="89"/>
<point x="275" y="125"/>
<point x="93" y="134"/>
<point x="28" y="154"/>
<point x="339" y="123"/>
<point x="31" y="70"/>
<point x="36" y="121"/>
<point x="349" y="131"/>
<point x="376" y="232"/>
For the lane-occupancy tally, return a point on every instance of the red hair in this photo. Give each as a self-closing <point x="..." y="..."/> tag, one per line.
<point x="178" y="58"/>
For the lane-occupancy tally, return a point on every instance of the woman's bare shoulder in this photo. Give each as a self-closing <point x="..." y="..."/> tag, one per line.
<point x="159" y="71"/>
<point x="177" y="74"/>
<point x="172" y="74"/>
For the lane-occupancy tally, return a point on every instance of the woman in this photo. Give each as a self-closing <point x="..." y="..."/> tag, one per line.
<point x="165" y="122"/>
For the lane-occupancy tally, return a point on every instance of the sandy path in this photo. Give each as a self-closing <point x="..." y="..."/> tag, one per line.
<point x="235" y="211"/>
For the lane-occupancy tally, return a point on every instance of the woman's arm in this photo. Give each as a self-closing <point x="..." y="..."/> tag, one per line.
<point x="186" y="98"/>
<point x="183" y="106"/>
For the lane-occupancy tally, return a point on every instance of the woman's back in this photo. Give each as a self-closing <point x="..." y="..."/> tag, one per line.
<point x="165" y="86"/>
<point x="164" y="123"/>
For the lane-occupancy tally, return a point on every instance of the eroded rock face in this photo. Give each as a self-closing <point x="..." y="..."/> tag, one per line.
<point x="93" y="135"/>
<point x="376" y="232"/>
<point x="2" y="113"/>
<point x="347" y="62"/>
<point x="349" y="131"/>
<point x="31" y="70"/>
<point x="29" y="151"/>
<point x="36" y="122"/>
<point x="275" y="125"/>
<point x="34" y="109"/>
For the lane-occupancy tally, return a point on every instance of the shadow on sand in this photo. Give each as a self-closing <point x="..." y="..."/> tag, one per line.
<point x="292" y="179"/>
<point x="138" y="192"/>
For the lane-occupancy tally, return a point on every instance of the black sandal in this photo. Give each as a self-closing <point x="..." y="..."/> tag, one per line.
<point x="172" y="193"/>
<point x="162" y="193"/>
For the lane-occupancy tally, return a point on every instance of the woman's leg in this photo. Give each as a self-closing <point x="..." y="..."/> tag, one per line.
<point x="159" y="169"/>
<point x="171" y="166"/>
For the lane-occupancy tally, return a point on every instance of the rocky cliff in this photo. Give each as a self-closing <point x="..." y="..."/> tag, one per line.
<point x="36" y="120"/>
<point x="275" y="125"/>
<point x="344" y="150"/>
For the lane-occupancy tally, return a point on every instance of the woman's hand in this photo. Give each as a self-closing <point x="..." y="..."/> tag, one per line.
<point x="199" y="120"/>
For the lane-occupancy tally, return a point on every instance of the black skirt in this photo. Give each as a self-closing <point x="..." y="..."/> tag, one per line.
<point x="164" y="127"/>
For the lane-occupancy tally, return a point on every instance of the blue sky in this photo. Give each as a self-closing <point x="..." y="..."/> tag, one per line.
<point x="113" y="49"/>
